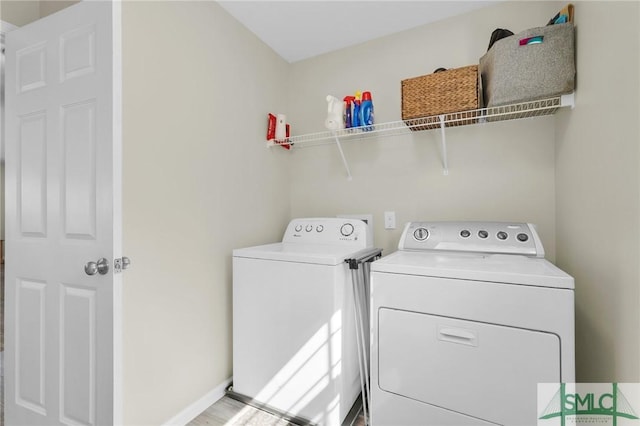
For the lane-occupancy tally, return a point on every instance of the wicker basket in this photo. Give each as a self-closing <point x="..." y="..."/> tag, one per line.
<point x="451" y="91"/>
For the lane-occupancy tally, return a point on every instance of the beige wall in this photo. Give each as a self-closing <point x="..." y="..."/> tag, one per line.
<point x="22" y="12"/>
<point x="19" y="12"/>
<point x="597" y="183"/>
<point x="198" y="182"/>
<point x="47" y="7"/>
<point x="498" y="171"/>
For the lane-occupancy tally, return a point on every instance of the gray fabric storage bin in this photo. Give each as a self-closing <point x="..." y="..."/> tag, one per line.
<point x="512" y="73"/>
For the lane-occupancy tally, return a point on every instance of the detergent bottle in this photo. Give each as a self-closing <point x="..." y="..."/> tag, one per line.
<point x="366" y="111"/>
<point x="335" y="113"/>
<point x="348" y="100"/>
<point x="356" y="110"/>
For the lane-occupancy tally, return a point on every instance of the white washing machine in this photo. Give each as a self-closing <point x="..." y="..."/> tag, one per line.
<point x="467" y="318"/>
<point x="294" y="341"/>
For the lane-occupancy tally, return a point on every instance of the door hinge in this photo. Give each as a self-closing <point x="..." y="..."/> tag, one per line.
<point x="121" y="263"/>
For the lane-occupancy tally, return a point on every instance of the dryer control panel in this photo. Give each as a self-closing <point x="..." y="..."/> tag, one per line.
<point x="476" y="237"/>
<point x="326" y="231"/>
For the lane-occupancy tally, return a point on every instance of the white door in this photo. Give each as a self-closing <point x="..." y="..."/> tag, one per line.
<point x="63" y="210"/>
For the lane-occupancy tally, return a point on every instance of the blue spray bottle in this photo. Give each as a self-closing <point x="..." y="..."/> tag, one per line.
<point x="366" y="111"/>
<point x="356" y="110"/>
<point x="348" y="120"/>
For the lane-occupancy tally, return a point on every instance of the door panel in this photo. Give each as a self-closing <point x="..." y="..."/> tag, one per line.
<point x="63" y="209"/>
<point x="30" y="347"/>
<point x="78" y="52"/>
<point x="32" y="175"/>
<point x="78" y="349"/>
<point x="31" y="68"/>
<point x="79" y="181"/>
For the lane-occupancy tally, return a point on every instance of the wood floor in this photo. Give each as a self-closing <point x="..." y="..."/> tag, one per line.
<point x="229" y="412"/>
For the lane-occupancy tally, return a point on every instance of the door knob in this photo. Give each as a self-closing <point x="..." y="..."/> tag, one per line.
<point x="101" y="267"/>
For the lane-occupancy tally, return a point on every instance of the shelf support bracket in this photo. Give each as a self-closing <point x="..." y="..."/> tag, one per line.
<point x="568" y="100"/>
<point x="344" y="159"/>
<point x="443" y="141"/>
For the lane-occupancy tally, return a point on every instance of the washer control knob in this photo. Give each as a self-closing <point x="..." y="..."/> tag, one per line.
<point x="483" y="234"/>
<point x="309" y="228"/>
<point x="346" y="229"/>
<point x="421" y="234"/>
<point x="298" y="228"/>
<point x="522" y="237"/>
<point x="465" y="233"/>
<point x="502" y="235"/>
<point x="319" y="228"/>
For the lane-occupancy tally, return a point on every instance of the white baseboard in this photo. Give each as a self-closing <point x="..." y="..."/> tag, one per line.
<point x="197" y="407"/>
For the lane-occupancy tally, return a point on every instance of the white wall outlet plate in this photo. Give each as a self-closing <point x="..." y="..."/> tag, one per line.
<point x="389" y="220"/>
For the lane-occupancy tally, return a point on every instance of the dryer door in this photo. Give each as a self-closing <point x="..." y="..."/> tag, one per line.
<point x="486" y="371"/>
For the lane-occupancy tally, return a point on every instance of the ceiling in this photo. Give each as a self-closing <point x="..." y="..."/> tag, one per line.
<point x="302" y="29"/>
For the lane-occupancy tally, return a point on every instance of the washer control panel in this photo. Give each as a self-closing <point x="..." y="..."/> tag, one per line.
<point x="480" y="237"/>
<point x="326" y="231"/>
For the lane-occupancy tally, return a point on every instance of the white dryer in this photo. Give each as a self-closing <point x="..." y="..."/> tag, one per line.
<point x="294" y="338"/>
<point x="467" y="318"/>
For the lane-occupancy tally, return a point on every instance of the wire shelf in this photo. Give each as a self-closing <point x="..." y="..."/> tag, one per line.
<point x="403" y="127"/>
